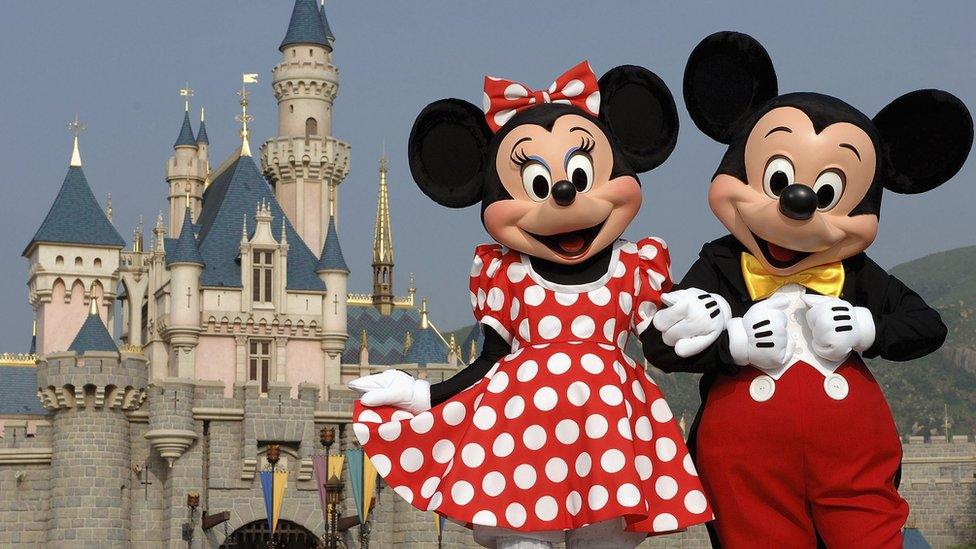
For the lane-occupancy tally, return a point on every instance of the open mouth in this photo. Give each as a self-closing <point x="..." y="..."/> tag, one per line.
<point x="778" y="256"/>
<point x="572" y="244"/>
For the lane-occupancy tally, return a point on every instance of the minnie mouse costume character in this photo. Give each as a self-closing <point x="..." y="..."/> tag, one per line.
<point x="794" y="438"/>
<point x="552" y="434"/>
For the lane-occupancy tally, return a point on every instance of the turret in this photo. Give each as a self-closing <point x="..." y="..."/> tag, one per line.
<point x="90" y="389"/>
<point x="304" y="162"/>
<point x="185" y="265"/>
<point x="203" y="148"/>
<point x="74" y="259"/>
<point x="334" y="272"/>
<point x="186" y="172"/>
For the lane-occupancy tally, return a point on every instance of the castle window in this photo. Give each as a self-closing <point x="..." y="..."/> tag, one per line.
<point x="294" y="52"/>
<point x="311" y="127"/>
<point x="262" y="268"/>
<point x="59" y="260"/>
<point x="259" y="362"/>
<point x="98" y="262"/>
<point x="310" y="52"/>
<point x="291" y="109"/>
<point x="78" y="262"/>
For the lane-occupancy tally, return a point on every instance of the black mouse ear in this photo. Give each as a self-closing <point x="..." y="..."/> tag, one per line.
<point x="447" y="152"/>
<point x="728" y="77"/>
<point x="639" y="112"/>
<point x="926" y="136"/>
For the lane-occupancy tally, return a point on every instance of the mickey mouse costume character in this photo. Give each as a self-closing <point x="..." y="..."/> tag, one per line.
<point x="552" y="434"/>
<point x="794" y="438"/>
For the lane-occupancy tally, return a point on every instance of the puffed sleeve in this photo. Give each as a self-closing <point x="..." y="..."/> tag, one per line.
<point x="489" y="287"/>
<point x="652" y="277"/>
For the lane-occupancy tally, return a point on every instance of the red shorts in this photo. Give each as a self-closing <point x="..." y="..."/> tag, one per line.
<point x="781" y="468"/>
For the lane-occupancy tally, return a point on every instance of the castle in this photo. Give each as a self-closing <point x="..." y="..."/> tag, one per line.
<point x="236" y="332"/>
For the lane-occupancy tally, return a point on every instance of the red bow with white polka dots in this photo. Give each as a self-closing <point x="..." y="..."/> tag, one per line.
<point x="577" y="86"/>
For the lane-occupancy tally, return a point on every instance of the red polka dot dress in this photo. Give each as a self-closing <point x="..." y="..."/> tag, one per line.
<point x="563" y="432"/>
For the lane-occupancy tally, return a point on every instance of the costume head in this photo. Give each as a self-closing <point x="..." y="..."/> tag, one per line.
<point x="555" y="171"/>
<point x="801" y="182"/>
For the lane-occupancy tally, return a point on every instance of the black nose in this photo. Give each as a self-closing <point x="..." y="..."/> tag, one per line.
<point x="798" y="202"/>
<point x="564" y="193"/>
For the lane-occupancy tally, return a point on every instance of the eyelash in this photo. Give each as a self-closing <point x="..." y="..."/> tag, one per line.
<point x="520" y="159"/>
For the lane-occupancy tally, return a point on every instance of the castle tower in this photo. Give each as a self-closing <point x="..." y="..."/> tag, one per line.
<point x="304" y="161"/>
<point x="383" y="248"/>
<point x="74" y="258"/>
<point x="186" y="171"/>
<point x="185" y="265"/>
<point x="89" y="389"/>
<point x="334" y="272"/>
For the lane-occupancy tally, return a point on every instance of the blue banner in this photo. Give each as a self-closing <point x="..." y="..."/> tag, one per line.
<point x="267" y="486"/>
<point x="354" y="457"/>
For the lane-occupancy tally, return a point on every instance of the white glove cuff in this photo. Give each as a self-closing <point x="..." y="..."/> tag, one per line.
<point x="864" y="322"/>
<point x="421" y="397"/>
<point x="738" y="341"/>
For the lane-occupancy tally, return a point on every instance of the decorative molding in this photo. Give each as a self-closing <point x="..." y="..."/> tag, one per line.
<point x="25" y="456"/>
<point x="18" y="359"/>
<point x="937" y="460"/>
<point x="218" y="414"/>
<point x="170" y="443"/>
<point x="326" y="416"/>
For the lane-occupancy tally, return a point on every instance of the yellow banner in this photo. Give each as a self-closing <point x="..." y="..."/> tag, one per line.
<point x="369" y="485"/>
<point x="335" y="465"/>
<point x="280" y="481"/>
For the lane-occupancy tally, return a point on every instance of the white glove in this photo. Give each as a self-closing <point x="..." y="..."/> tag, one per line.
<point x="760" y="337"/>
<point x="393" y="388"/>
<point x="692" y="321"/>
<point x="838" y="327"/>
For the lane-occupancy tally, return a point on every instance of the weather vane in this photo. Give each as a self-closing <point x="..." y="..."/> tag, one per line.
<point x="244" y="118"/>
<point x="186" y="93"/>
<point x="75" y="127"/>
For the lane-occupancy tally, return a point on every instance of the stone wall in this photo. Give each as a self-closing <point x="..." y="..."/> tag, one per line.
<point x="24" y="487"/>
<point x="938" y="483"/>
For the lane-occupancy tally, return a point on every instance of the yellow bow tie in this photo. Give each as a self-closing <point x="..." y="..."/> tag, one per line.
<point x="824" y="279"/>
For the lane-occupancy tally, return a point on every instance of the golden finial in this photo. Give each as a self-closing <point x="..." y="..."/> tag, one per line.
<point x="453" y="346"/>
<point x="244" y="118"/>
<point x="108" y="207"/>
<point x="75" y="127"/>
<point x="93" y="310"/>
<point x="137" y="237"/>
<point x="201" y="114"/>
<point x="363" y="344"/>
<point x="34" y="328"/>
<point x="407" y="342"/>
<point x="423" y="314"/>
<point x="473" y="353"/>
<point x="186" y="93"/>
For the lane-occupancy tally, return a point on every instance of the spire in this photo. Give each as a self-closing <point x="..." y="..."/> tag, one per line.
<point x="75" y="127"/>
<point x="185" y="138"/>
<point x="305" y="26"/>
<point x="427" y="348"/>
<point x="202" y="132"/>
<point x="331" y="258"/>
<point x="93" y="336"/>
<point x="33" y="344"/>
<point x="185" y="250"/>
<point x="137" y="239"/>
<point x="382" y="233"/>
<point x="244" y="118"/>
<point x="108" y="207"/>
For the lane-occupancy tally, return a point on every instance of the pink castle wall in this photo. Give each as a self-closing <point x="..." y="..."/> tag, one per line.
<point x="304" y="363"/>
<point x="59" y="322"/>
<point x="216" y="360"/>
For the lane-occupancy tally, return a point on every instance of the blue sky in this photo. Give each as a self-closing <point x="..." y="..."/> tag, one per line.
<point x="119" y="64"/>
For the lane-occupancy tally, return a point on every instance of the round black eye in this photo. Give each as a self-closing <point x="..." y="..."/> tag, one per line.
<point x="777" y="182"/>
<point x="580" y="180"/>
<point x="579" y="166"/>
<point x="825" y="196"/>
<point x="540" y="186"/>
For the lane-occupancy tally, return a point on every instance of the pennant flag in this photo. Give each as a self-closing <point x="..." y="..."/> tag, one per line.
<point x="267" y="487"/>
<point x="355" y="459"/>
<point x="369" y="485"/>
<point x="280" y="482"/>
<point x="335" y="465"/>
<point x="439" y="522"/>
<point x="320" y="467"/>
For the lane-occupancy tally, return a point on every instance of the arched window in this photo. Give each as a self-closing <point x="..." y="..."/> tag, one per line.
<point x="78" y="262"/>
<point x="311" y="127"/>
<point x="291" y="109"/>
<point x="98" y="262"/>
<point x="59" y="260"/>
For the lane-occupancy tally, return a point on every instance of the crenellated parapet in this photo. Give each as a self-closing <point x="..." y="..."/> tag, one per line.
<point x="319" y="158"/>
<point x="93" y="380"/>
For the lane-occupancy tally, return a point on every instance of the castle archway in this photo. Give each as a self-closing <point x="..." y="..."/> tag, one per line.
<point x="256" y="535"/>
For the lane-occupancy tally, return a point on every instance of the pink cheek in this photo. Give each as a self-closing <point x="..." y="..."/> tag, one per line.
<point x="624" y="192"/>
<point x="503" y="215"/>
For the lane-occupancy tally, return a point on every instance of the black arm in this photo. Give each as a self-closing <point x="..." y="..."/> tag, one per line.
<point x="905" y="326"/>
<point x="494" y="348"/>
<point x="716" y="357"/>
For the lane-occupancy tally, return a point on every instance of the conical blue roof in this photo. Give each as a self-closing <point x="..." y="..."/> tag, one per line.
<point x="186" y="133"/>
<point x="305" y="26"/>
<point x="93" y="336"/>
<point x="185" y="249"/>
<point x="76" y="218"/>
<point x="202" y="133"/>
<point x="331" y="258"/>
<point x="325" y="23"/>
<point x="426" y="349"/>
